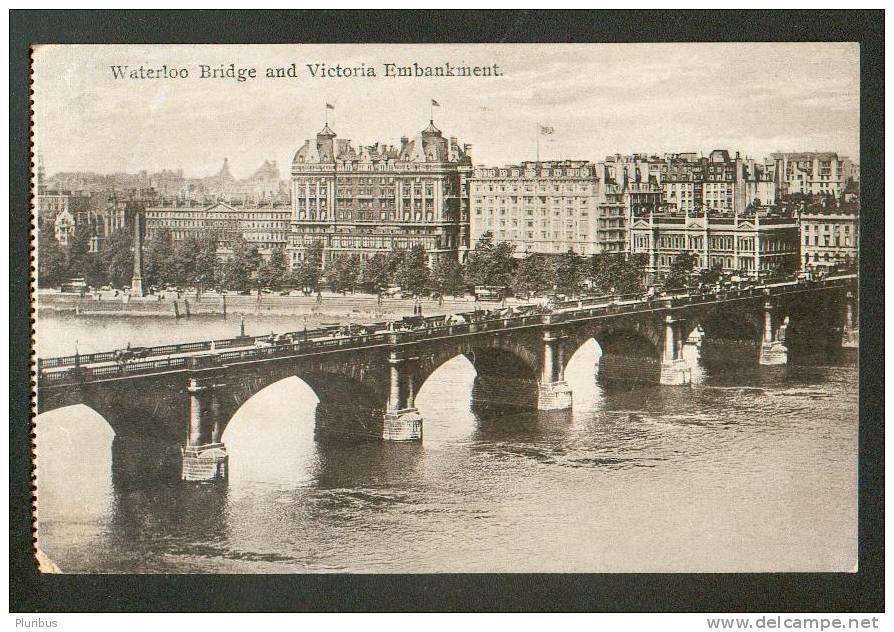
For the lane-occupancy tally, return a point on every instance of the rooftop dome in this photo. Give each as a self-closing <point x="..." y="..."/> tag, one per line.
<point x="431" y="130"/>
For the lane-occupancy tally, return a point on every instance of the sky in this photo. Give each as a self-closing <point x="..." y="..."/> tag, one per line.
<point x="600" y="99"/>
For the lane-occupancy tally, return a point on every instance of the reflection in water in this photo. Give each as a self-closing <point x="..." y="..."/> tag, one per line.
<point x="141" y="462"/>
<point x="345" y="465"/>
<point x="189" y="518"/>
<point x="737" y="473"/>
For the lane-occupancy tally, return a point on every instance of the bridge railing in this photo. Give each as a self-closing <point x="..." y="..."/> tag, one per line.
<point x="113" y="370"/>
<point x="162" y="350"/>
<point x="290" y="343"/>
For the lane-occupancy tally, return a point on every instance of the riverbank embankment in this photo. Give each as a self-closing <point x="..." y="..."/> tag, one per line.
<point x="328" y="305"/>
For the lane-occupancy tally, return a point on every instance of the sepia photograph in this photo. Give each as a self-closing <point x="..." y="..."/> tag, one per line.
<point x="446" y="308"/>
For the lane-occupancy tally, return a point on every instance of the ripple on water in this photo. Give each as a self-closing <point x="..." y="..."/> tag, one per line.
<point x="715" y="477"/>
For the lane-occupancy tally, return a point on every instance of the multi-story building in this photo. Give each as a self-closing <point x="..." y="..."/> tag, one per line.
<point x="613" y="218"/>
<point x="540" y="207"/>
<point x="115" y="215"/>
<point x="691" y="183"/>
<point x="630" y="189"/>
<point x="632" y="168"/>
<point x="718" y="183"/>
<point x="763" y="241"/>
<point x="830" y="234"/>
<point x="103" y="213"/>
<point x="814" y="173"/>
<point x="265" y="226"/>
<point x="377" y="198"/>
<point x="548" y="207"/>
<point x="51" y="203"/>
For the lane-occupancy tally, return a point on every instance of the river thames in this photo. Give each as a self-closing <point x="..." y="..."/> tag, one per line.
<point x="737" y="473"/>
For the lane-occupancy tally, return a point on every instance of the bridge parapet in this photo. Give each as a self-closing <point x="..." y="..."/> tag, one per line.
<point x="519" y="354"/>
<point x="144" y="360"/>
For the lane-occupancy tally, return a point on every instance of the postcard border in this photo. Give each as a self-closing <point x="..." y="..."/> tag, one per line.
<point x="784" y="592"/>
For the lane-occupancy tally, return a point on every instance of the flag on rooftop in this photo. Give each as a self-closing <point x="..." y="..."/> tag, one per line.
<point x="546" y="130"/>
<point x="329" y="106"/>
<point x="435" y="103"/>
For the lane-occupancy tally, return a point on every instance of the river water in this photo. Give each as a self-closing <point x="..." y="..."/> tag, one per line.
<point x="736" y="473"/>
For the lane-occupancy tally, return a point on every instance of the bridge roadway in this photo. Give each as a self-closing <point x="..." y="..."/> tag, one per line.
<point x="112" y="365"/>
<point x="375" y="371"/>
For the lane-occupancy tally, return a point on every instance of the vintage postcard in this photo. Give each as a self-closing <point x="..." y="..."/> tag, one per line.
<point x="506" y="308"/>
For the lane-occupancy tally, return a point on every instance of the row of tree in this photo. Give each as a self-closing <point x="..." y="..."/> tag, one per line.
<point x="190" y="262"/>
<point x="194" y="262"/>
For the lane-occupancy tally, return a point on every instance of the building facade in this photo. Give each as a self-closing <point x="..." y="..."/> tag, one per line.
<point x="63" y="227"/>
<point x="378" y="198"/>
<point x="540" y="207"/>
<point x="830" y="234"/>
<point x="692" y="184"/>
<point x="613" y="219"/>
<point x="553" y="206"/>
<point x="816" y="173"/>
<point x="630" y="189"/>
<point x="750" y="245"/>
<point x="51" y="203"/>
<point x="263" y="226"/>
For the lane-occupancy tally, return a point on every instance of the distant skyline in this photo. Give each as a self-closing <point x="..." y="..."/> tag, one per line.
<point x="601" y="99"/>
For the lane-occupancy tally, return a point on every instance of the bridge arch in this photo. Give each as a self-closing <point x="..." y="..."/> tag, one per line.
<point x="101" y="448"/>
<point x="78" y="412"/>
<point x="75" y="463"/>
<point x="491" y="357"/>
<point x="813" y="325"/>
<point x="507" y="369"/>
<point x="344" y="405"/>
<point x="630" y="349"/>
<point x="726" y="335"/>
<point x="723" y="322"/>
<point x="640" y="338"/>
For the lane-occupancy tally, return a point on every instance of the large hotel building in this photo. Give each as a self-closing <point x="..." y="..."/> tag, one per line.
<point x="549" y="207"/>
<point x="541" y="207"/>
<point x="377" y="198"/>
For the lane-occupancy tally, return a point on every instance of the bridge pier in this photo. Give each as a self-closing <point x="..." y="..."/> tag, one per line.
<point x="674" y="369"/>
<point x="773" y="351"/>
<point x="402" y="421"/>
<point x="553" y="392"/>
<point x="205" y="458"/>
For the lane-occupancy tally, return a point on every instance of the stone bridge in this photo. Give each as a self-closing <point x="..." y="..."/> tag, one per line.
<point x="367" y="381"/>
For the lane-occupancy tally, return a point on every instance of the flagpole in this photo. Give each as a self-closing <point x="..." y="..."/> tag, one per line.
<point x="537" y="134"/>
